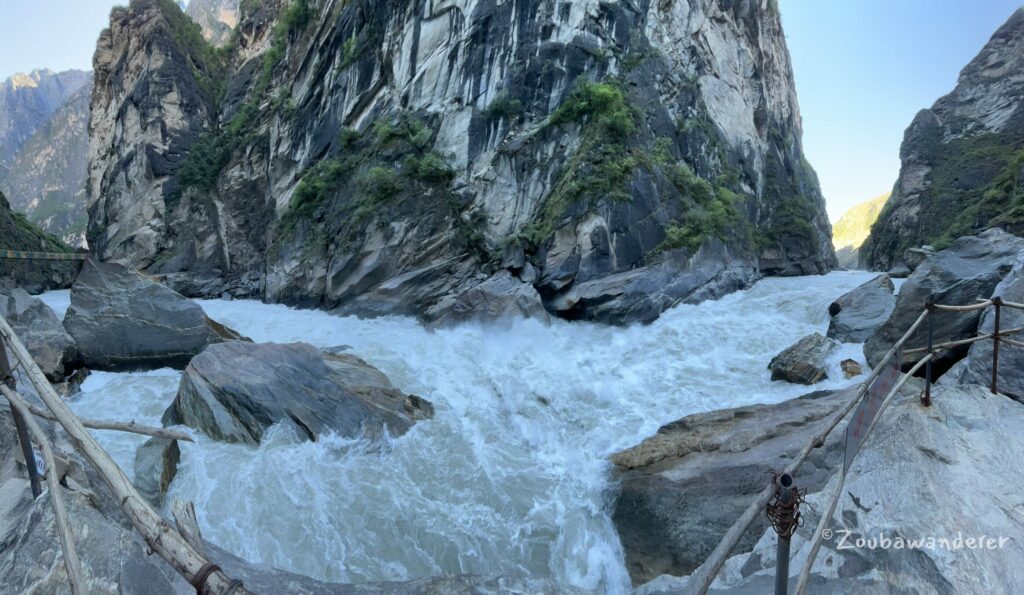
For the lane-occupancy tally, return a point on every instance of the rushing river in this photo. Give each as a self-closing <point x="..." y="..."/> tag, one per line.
<point x="511" y="476"/>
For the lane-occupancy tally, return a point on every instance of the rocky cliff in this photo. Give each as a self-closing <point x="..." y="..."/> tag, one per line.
<point x="27" y="101"/>
<point x="18" y="233"/>
<point x="853" y="229"/>
<point x="46" y="180"/>
<point x="963" y="159"/>
<point x="217" y="18"/>
<point x="617" y="157"/>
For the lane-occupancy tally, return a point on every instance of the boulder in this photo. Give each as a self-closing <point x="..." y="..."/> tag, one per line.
<point x="851" y="368"/>
<point x="156" y="464"/>
<point x="41" y="331"/>
<point x="977" y="368"/>
<point x="501" y="296"/>
<point x="122" y="320"/>
<point x="858" y="313"/>
<point x="804" y="362"/>
<point x="235" y="391"/>
<point x="969" y="269"/>
<point x="945" y="473"/>
<point x="915" y="257"/>
<point x="682" y="488"/>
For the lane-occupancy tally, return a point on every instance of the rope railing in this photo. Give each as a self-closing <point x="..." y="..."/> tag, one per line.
<point x="23" y="255"/>
<point x="702" y="578"/>
<point x="183" y="557"/>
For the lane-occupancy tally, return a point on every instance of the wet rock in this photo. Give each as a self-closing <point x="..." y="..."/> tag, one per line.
<point x="38" y="327"/>
<point x="857" y="314"/>
<point x="682" y="488"/>
<point x="851" y="368"/>
<point x="969" y="269"/>
<point x="977" y="367"/>
<point x="499" y="297"/>
<point x="156" y="464"/>
<point x="123" y="321"/>
<point x="804" y="362"/>
<point x="899" y="272"/>
<point x="234" y="391"/>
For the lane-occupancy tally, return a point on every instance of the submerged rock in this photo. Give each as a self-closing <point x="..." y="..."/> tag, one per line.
<point x="969" y="269"/>
<point x="804" y="362"/>
<point x="40" y="330"/>
<point x="122" y="321"/>
<point x="156" y="464"/>
<point x="859" y="312"/>
<point x="682" y="488"/>
<point x="235" y="391"/>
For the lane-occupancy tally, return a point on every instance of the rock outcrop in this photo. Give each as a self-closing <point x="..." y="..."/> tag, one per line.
<point x="18" y="233"/>
<point x="962" y="160"/>
<point x="858" y="313"/>
<point x="390" y="157"/>
<point x="853" y="229"/>
<point x="977" y="368"/>
<point x="970" y="269"/>
<point x="156" y="464"/>
<point x="682" y="488"/>
<point x="43" y="334"/>
<point x="804" y="362"/>
<point x="124" y="321"/>
<point x="235" y="391"/>
<point x="965" y="540"/>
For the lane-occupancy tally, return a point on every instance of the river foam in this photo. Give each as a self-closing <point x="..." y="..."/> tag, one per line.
<point x="511" y="476"/>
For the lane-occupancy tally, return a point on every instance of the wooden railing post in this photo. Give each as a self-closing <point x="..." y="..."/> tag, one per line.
<point x="926" y="398"/>
<point x="7" y="378"/>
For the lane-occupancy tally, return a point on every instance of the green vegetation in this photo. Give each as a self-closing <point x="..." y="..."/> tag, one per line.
<point x="597" y="104"/>
<point x="504" y="107"/>
<point x="713" y="213"/>
<point x="350" y="52"/>
<point x="207" y="63"/>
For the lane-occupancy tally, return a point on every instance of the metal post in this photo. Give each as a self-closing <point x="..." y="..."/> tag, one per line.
<point x="7" y="377"/>
<point x="926" y="398"/>
<point x="997" y="302"/>
<point x="785" y="525"/>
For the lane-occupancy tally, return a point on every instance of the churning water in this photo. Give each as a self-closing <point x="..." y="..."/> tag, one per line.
<point x="512" y="474"/>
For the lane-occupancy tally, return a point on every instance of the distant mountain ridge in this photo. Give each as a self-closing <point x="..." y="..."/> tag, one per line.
<point x="216" y="18"/>
<point x="853" y="229"/>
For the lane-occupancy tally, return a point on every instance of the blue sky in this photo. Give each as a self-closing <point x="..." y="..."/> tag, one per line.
<point x="863" y="69"/>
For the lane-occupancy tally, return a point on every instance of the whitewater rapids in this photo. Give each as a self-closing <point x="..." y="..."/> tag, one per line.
<point x="511" y="476"/>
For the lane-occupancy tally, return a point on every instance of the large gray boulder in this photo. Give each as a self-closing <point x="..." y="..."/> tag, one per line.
<point x="944" y="473"/>
<point x="977" y="368"/>
<point x="235" y="391"/>
<point x="682" y="488"/>
<point x="41" y="331"/>
<point x="804" y="362"/>
<point x="860" y="312"/>
<point x="969" y="269"/>
<point x="501" y="296"/>
<point x="122" y="320"/>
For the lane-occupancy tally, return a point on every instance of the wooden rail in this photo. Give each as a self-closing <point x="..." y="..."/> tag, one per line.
<point x="184" y="558"/>
<point x="22" y="255"/>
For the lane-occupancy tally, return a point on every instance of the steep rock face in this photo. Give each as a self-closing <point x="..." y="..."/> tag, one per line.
<point x="27" y="101"/>
<point x="47" y="176"/>
<point x="18" y="233"/>
<point x="853" y="229"/>
<point x="963" y="159"/>
<point x="385" y="157"/>
<point x="217" y="18"/>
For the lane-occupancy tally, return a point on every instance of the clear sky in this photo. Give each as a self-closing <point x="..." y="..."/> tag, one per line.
<point x="54" y="34"/>
<point x="864" y="68"/>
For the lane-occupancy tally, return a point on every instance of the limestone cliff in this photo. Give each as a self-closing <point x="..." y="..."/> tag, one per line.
<point x="963" y="159"/>
<point x="619" y="157"/>
<point x="853" y="229"/>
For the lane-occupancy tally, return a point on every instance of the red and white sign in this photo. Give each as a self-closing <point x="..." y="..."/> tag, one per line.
<point x="857" y="430"/>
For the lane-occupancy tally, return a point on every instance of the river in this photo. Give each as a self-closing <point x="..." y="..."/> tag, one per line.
<point x="511" y="476"/>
